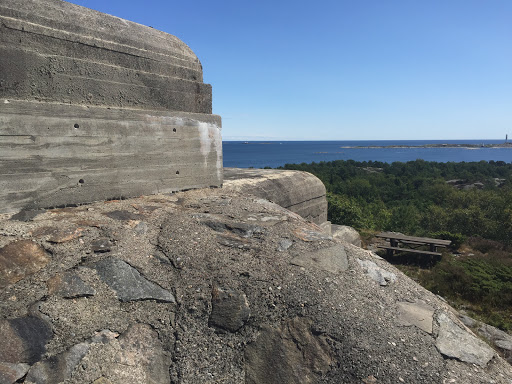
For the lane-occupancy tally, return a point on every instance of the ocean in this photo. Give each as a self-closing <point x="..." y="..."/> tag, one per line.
<point x="260" y="154"/>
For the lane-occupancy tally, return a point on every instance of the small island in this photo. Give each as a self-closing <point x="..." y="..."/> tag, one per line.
<point x="440" y="145"/>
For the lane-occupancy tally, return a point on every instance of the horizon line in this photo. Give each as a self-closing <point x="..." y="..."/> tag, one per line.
<point x="276" y="140"/>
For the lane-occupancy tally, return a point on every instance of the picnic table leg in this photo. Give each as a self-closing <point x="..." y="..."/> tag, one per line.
<point x="433" y="248"/>
<point x="393" y="243"/>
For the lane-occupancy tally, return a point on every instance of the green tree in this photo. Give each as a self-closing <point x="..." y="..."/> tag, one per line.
<point x="345" y="211"/>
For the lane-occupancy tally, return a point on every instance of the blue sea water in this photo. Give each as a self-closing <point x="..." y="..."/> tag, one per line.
<point x="259" y="154"/>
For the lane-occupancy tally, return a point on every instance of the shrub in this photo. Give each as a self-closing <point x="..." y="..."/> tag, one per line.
<point x="484" y="245"/>
<point x="457" y="239"/>
<point x="345" y="211"/>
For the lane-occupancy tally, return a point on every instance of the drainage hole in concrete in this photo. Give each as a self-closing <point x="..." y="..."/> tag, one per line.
<point x="76" y="126"/>
<point x="174" y="129"/>
<point x="177" y="172"/>
<point x="81" y="181"/>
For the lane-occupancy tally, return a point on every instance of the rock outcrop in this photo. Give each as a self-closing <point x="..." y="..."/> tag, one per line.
<point x="346" y="233"/>
<point x="501" y="340"/>
<point x="94" y="107"/>
<point x="213" y="286"/>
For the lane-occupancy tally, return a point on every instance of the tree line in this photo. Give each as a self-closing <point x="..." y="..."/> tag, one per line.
<point x="419" y="197"/>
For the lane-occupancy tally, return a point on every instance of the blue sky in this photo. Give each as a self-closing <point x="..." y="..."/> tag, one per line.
<point x="346" y="70"/>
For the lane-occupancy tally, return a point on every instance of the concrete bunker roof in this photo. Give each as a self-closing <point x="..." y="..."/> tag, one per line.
<point x="77" y="20"/>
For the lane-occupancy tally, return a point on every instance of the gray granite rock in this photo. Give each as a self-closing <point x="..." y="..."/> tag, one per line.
<point x="141" y="355"/>
<point x="27" y="215"/>
<point x="380" y="275"/>
<point x="215" y="225"/>
<point x="58" y="368"/>
<point x="505" y="344"/>
<point x="289" y="354"/>
<point x="134" y="357"/>
<point x="233" y="241"/>
<point x="23" y="339"/>
<point x="11" y="373"/>
<point x="284" y="244"/>
<point x="327" y="227"/>
<point x="101" y="245"/>
<point x="497" y="338"/>
<point x="69" y="285"/>
<point x="310" y="234"/>
<point x="333" y="259"/>
<point x="346" y="233"/>
<point x="457" y="343"/>
<point x="418" y="314"/>
<point x="137" y="356"/>
<point x="141" y="228"/>
<point x="500" y="338"/>
<point x="230" y="309"/>
<point x="128" y="283"/>
<point x="245" y="230"/>
<point x="468" y="321"/>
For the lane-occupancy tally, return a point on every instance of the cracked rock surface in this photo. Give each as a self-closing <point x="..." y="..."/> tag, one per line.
<point x="128" y="283"/>
<point x="215" y="286"/>
<point x="453" y="341"/>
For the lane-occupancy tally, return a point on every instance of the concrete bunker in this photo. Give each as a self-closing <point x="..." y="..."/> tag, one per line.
<point x="94" y="107"/>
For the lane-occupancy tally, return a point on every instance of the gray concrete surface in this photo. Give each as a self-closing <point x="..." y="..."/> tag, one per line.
<point x="94" y="107"/>
<point x="55" y="51"/>
<point x="300" y="192"/>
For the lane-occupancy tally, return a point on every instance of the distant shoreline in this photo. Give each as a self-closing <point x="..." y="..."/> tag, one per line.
<point x="463" y="146"/>
<point x="243" y="154"/>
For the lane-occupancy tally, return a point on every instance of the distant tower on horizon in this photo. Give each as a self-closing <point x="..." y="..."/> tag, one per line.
<point x="506" y="137"/>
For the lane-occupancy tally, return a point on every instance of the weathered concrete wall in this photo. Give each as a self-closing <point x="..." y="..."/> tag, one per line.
<point x="300" y="192"/>
<point x="95" y="107"/>
<point x="60" y="52"/>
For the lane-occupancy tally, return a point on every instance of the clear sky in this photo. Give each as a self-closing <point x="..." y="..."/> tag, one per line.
<point x="346" y="69"/>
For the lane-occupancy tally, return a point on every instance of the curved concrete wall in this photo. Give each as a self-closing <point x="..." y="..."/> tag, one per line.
<point x="95" y="107"/>
<point x="300" y="192"/>
<point x="60" y="52"/>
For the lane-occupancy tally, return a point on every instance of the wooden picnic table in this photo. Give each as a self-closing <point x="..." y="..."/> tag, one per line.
<point x="403" y="243"/>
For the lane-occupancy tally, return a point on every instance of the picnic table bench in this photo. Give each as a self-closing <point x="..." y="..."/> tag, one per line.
<point x="403" y="243"/>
